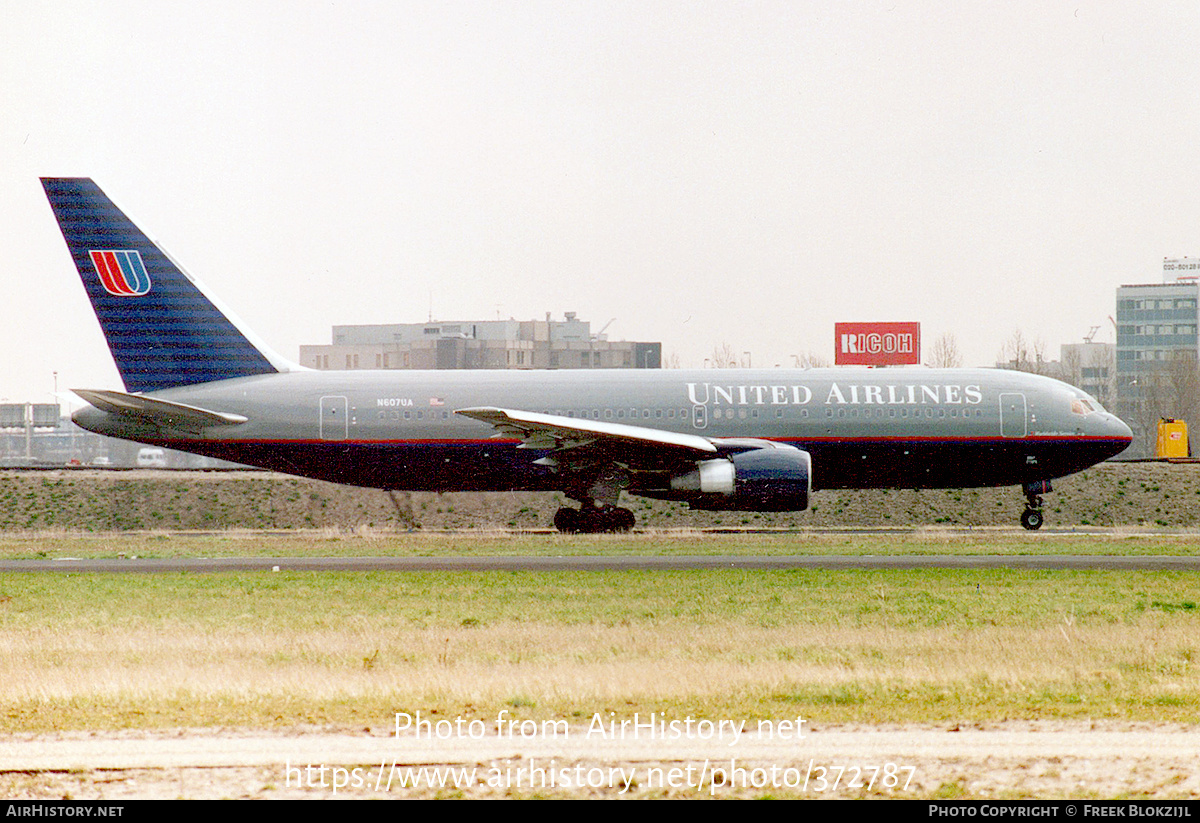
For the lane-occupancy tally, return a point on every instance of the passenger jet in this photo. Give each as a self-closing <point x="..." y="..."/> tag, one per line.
<point x="197" y="379"/>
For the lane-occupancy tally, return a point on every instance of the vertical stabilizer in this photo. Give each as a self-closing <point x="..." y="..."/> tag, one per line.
<point x="162" y="328"/>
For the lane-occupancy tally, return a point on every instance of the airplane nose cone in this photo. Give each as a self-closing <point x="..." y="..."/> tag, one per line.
<point x="1116" y="428"/>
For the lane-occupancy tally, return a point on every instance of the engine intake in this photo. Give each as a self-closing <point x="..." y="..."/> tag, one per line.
<point x="774" y="477"/>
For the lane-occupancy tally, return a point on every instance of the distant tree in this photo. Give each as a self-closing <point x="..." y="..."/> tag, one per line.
<point x="1071" y="368"/>
<point x="810" y="360"/>
<point x="1163" y="389"/>
<point x="1018" y="354"/>
<point x="1155" y="400"/>
<point x="1184" y="376"/>
<point x="1101" y="362"/>
<point x="945" y="353"/>
<point x="724" y="356"/>
<point x="671" y="361"/>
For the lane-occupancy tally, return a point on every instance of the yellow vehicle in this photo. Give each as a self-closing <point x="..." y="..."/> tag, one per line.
<point x="1172" y="439"/>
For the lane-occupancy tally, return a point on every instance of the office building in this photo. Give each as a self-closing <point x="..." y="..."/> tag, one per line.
<point x="480" y="344"/>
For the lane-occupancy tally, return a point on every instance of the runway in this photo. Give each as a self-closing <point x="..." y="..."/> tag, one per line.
<point x="603" y="563"/>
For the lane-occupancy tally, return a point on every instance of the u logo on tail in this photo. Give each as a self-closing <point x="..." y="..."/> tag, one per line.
<point x="121" y="272"/>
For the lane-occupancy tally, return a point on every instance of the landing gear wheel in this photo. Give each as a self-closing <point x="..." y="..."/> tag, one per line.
<point x="568" y="521"/>
<point x="622" y="520"/>
<point x="610" y="519"/>
<point x="1031" y="519"/>
<point x="605" y="520"/>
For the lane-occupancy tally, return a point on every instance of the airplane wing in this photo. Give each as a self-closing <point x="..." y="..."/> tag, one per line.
<point x="564" y="435"/>
<point x="154" y="410"/>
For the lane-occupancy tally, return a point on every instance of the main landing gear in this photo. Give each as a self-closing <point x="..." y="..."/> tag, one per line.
<point x="593" y="519"/>
<point x="1032" y="518"/>
<point x="598" y="511"/>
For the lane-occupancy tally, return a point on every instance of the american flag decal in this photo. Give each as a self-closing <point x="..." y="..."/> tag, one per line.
<point x="121" y="272"/>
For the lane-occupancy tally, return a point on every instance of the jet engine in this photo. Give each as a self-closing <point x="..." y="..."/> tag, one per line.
<point x="772" y="477"/>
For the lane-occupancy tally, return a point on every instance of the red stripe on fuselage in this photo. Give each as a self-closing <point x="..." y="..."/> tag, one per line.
<point x="1082" y="438"/>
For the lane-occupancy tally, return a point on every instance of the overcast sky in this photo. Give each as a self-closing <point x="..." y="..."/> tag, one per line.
<point x="748" y="173"/>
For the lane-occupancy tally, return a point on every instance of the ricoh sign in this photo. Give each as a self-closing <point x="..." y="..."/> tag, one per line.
<point x="877" y="344"/>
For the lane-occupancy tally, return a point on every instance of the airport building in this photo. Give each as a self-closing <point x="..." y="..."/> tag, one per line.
<point x="480" y="344"/>
<point x="1158" y="351"/>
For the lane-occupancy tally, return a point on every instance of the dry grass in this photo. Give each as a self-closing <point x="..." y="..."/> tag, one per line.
<point x="116" y="676"/>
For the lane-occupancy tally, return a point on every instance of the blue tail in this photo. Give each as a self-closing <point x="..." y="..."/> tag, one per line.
<point x="161" y="327"/>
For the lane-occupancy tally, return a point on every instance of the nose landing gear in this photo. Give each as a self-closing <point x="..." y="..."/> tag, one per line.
<point x="1032" y="518"/>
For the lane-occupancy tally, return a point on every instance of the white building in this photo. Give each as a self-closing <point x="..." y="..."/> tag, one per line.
<point x="480" y="344"/>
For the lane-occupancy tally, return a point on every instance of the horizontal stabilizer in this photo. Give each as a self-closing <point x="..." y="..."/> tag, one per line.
<point x="156" y="411"/>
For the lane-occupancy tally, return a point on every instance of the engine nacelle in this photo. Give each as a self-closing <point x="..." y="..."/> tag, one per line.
<point x="773" y="478"/>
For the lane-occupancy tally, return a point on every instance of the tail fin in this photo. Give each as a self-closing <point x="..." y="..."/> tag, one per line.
<point x="162" y="328"/>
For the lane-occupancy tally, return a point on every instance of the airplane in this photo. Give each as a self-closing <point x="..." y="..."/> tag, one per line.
<point x="196" y="379"/>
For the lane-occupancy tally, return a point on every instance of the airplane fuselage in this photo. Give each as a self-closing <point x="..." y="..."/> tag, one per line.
<point x="865" y="428"/>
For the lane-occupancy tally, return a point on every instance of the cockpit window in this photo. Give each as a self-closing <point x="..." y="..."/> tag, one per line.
<point x="1081" y="406"/>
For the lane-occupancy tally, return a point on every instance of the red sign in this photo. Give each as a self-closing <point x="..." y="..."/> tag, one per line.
<point x="876" y="344"/>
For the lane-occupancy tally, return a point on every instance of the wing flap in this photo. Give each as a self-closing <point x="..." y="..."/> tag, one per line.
<point x="156" y="411"/>
<point x="548" y="431"/>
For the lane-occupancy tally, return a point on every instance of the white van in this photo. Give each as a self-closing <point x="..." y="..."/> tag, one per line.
<point x="151" y="459"/>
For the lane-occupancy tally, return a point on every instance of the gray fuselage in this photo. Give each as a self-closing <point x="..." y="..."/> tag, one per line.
<point x="865" y="428"/>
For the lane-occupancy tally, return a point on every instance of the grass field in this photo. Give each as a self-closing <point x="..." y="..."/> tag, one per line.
<point x="369" y="542"/>
<point x="84" y="651"/>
